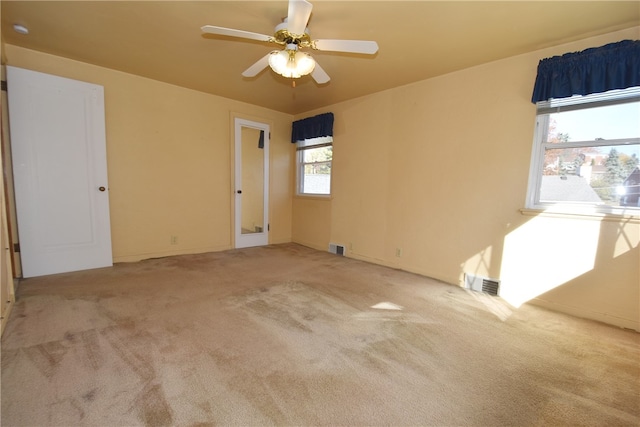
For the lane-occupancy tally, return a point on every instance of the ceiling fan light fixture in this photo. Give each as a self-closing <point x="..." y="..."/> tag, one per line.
<point x="291" y="63"/>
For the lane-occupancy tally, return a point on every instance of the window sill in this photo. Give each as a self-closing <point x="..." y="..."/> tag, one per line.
<point x="319" y="197"/>
<point x="633" y="218"/>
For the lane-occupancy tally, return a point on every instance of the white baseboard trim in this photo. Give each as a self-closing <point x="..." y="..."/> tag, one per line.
<point x="588" y="314"/>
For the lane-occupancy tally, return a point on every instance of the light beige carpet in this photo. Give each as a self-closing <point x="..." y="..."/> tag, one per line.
<point x="285" y="335"/>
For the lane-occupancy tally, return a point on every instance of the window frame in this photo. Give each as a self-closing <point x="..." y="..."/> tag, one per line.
<point x="543" y="111"/>
<point x="301" y="147"/>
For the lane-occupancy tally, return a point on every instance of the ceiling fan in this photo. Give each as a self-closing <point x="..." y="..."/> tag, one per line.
<point x="293" y="34"/>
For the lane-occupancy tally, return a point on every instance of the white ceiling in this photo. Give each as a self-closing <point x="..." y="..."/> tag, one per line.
<point x="417" y="39"/>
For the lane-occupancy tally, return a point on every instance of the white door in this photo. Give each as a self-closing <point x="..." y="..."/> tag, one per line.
<point x="251" y="183"/>
<point x="60" y="172"/>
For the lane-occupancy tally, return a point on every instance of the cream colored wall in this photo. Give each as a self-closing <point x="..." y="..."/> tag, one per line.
<point x="169" y="154"/>
<point x="438" y="171"/>
<point x="313" y="225"/>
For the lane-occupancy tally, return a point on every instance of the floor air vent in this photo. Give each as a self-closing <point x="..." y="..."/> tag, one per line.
<point x="482" y="284"/>
<point x="336" y="249"/>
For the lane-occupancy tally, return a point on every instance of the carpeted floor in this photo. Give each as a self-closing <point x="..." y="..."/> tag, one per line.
<point x="285" y="335"/>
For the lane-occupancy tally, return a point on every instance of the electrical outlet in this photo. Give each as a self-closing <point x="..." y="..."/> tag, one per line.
<point x="174" y="240"/>
<point x="398" y="252"/>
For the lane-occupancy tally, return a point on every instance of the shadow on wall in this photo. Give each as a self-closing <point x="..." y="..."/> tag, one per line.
<point x="550" y="252"/>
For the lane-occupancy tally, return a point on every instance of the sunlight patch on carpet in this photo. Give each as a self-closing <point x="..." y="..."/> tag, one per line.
<point x="387" y="306"/>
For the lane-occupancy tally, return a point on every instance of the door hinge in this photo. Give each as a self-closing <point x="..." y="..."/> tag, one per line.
<point x="268" y="227"/>
<point x="16" y="247"/>
<point x="3" y="86"/>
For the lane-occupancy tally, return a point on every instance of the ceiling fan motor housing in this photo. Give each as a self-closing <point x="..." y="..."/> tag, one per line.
<point x="284" y="37"/>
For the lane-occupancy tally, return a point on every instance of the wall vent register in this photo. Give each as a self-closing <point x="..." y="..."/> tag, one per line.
<point x="482" y="284"/>
<point x="336" y="249"/>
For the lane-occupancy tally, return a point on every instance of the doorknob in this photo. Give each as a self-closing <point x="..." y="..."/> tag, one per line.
<point x="239" y="191"/>
<point x="101" y="188"/>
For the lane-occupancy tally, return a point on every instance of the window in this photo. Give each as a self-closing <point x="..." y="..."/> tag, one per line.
<point x="314" y="166"/>
<point x="586" y="154"/>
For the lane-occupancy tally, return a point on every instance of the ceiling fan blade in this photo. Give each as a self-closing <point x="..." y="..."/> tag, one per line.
<point x="260" y="65"/>
<point x="298" y="16"/>
<point x="351" y="46"/>
<point x="211" y="29"/>
<point x="319" y="75"/>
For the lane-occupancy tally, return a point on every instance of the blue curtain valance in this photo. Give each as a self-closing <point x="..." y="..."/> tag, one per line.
<point x="312" y="127"/>
<point x="594" y="70"/>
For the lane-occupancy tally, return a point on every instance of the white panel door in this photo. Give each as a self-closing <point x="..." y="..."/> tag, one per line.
<point x="252" y="183"/>
<point x="60" y="172"/>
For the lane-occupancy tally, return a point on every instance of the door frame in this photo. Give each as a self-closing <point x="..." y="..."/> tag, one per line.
<point x="254" y="239"/>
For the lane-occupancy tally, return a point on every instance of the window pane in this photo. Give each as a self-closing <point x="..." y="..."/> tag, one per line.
<point x="601" y="174"/>
<point x="317" y="183"/>
<point x="317" y="154"/>
<point x="319" y="168"/>
<point x="609" y="122"/>
<point x="316" y="170"/>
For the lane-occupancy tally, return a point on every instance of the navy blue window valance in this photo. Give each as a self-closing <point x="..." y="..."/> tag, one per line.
<point x="595" y="70"/>
<point x="312" y="127"/>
